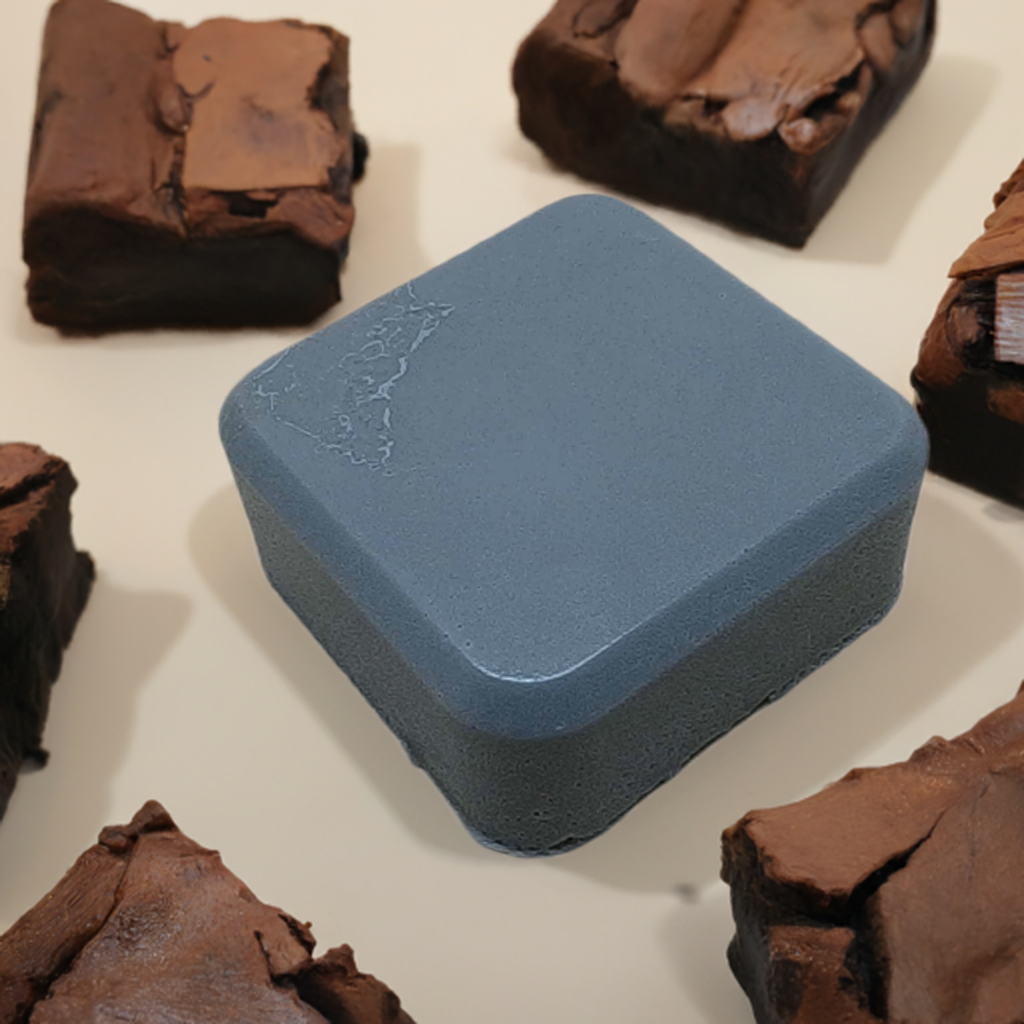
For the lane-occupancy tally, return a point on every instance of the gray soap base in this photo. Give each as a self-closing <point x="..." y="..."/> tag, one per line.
<point x="538" y="797"/>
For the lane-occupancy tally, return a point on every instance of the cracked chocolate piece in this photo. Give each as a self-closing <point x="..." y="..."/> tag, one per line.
<point x="187" y="176"/>
<point x="894" y="894"/>
<point x="150" y="927"/>
<point x="749" y="112"/>
<point x="44" y="584"/>
<point x="969" y="376"/>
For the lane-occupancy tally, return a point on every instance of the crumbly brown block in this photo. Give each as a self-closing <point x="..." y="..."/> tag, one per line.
<point x="894" y="894"/>
<point x="44" y="584"/>
<point x="187" y="176"/>
<point x="970" y="370"/>
<point x="149" y="927"/>
<point x="749" y="112"/>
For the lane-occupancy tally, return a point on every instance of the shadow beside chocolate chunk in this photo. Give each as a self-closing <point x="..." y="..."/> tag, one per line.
<point x="749" y="112"/>
<point x="44" y="584"/>
<point x="150" y="927"/>
<point x="187" y="176"/>
<point x="970" y="371"/>
<point x="893" y="895"/>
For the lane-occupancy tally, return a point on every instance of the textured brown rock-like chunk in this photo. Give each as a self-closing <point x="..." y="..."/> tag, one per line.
<point x="44" y="584"/>
<point x="894" y="894"/>
<point x="187" y="176"/>
<point x="970" y="370"/>
<point x="751" y="112"/>
<point x="149" y="927"/>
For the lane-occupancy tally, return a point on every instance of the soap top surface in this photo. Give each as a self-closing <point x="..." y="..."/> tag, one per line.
<point x="551" y="467"/>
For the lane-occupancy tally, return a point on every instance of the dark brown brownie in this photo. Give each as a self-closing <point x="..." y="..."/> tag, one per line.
<point x="750" y="112"/>
<point x="149" y="927"/>
<point x="970" y="371"/>
<point x="893" y="895"/>
<point x="44" y="584"/>
<point x="187" y="176"/>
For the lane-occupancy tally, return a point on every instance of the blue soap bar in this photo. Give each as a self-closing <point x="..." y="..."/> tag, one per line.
<point x="569" y="507"/>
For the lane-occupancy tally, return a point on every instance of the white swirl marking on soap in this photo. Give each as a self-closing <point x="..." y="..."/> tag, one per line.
<point x="359" y="426"/>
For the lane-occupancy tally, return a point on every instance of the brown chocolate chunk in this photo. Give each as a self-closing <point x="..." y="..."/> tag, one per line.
<point x="751" y="112"/>
<point x="894" y="894"/>
<point x="187" y="176"/>
<point x="148" y="926"/>
<point x="969" y="376"/>
<point x="44" y="584"/>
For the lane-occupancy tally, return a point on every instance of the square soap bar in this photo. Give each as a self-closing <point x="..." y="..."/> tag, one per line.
<point x="187" y="176"/>
<point x="569" y="507"/>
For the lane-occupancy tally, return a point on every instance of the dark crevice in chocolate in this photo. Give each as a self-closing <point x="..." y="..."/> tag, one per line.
<point x="855" y="907"/>
<point x="196" y="97"/>
<point x="242" y="204"/>
<point x="864" y="960"/>
<point x="150" y="818"/>
<point x="711" y="108"/>
<point x="360" y="154"/>
<point x="23" y="488"/>
<point x="827" y="104"/>
<point x="301" y="934"/>
<point x="174" y="192"/>
<point x="258" y="936"/>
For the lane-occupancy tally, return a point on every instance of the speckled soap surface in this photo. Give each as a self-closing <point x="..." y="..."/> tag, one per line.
<point x="571" y="505"/>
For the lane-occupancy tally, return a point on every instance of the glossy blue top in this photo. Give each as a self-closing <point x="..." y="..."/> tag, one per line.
<point x="552" y="466"/>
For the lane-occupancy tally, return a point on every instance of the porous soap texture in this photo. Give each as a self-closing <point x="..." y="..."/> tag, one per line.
<point x="970" y="370"/>
<point x="893" y="895"/>
<point x="148" y="926"/>
<point x="750" y="112"/>
<point x="44" y="585"/>
<point x="187" y="176"/>
<point x="569" y="507"/>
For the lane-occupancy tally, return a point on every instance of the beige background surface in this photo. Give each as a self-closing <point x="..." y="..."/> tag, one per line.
<point x="189" y="681"/>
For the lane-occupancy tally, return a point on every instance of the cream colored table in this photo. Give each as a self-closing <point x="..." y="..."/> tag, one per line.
<point x="189" y="681"/>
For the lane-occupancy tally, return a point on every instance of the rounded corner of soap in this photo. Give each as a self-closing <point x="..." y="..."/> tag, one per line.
<point x="593" y="204"/>
<point x="911" y="445"/>
<point x="917" y="440"/>
<point x="513" y="707"/>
